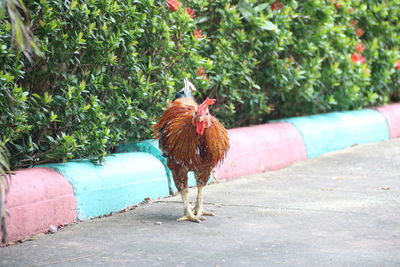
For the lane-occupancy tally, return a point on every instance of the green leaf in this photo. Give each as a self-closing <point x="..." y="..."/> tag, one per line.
<point x="6" y="78"/>
<point x="86" y="107"/>
<point x="53" y="117"/>
<point x="261" y="7"/>
<point x="4" y="166"/>
<point x="246" y="10"/>
<point x="267" y="25"/>
<point x="47" y="98"/>
<point x="73" y="4"/>
<point x="2" y="11"/>
<point x="18" y="33"/>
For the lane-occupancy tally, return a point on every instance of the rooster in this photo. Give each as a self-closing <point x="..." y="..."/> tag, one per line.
<point x="192" y="140"/>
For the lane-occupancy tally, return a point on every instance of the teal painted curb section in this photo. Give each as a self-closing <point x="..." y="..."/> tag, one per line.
<point x="334" y="131"/>
<point x="125" y="179"/>
<point x="151" y="146"/>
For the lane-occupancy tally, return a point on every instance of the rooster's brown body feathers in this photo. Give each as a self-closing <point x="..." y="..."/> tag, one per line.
<point x="185" y="149"/>
<point x="180" y="142"/>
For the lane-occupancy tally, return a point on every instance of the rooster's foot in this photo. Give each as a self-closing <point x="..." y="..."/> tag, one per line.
<point x="201" y="212"/>
<point x="191" y="218"/>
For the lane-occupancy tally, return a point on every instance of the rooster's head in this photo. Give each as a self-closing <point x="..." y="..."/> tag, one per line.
<point x="202" y="118"/>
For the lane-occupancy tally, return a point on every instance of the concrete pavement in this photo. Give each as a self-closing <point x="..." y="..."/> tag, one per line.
<point x="340" y="209"/>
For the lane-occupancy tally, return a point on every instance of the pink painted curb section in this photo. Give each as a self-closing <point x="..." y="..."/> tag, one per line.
<point x="392" y="115"/>
<point x="38" y="198"/>
<point x="260" y="148"/>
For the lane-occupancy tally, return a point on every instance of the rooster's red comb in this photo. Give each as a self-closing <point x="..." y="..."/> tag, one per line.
<point x="202" y="107"/>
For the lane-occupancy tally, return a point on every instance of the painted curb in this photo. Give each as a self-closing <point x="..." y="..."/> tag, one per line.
<point x="392" y="115"/>
<point x="41" y="197"/>
<point x="125" y="179"/>
<point x="260" y="148"/>
<point x="38" y="198"/>
<point x="151" y="146"/>
<point x="334" y="131"/>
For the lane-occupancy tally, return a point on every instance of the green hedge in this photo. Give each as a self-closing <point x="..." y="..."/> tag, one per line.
<point x="110" y="67"/>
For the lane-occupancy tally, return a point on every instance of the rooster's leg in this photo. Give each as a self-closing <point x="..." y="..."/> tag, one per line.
<point x="188" y="214"/>
<point x="198" y="208"/>
<point x="179" y="174"/>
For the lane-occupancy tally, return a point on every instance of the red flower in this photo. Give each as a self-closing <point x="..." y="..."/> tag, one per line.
<point x="360" y="47"/>
<point x="276" y="5"/>
<point x="353" y="23"/>
<point x="173" y="4"/>
<point x="397" y="65"/>
<point x="357" y="58"/>
<point x="200" y="72"/>
<point x="338" y="5"/>
<point x="359" y="32"/>
<point x="190" y="12"/>
<point x="198" y="34"/>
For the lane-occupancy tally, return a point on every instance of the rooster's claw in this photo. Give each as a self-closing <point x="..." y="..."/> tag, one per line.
<point x="191" y="218"/>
